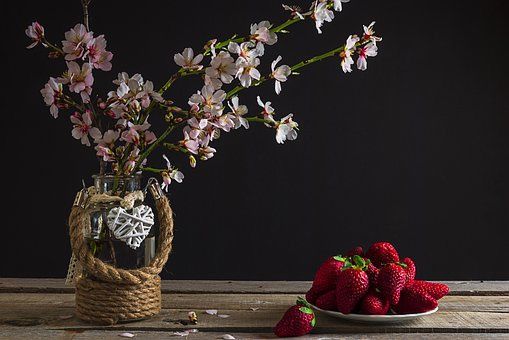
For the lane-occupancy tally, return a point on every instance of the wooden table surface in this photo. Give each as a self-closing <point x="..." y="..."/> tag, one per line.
<point x="43" y="308"/>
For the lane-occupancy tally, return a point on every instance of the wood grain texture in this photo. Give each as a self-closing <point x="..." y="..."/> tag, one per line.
<point x="29" y="285"/>
<point x="32" y="308"/>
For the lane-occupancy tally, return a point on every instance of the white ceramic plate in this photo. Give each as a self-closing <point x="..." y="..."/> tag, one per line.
<point x="390" y="318"/>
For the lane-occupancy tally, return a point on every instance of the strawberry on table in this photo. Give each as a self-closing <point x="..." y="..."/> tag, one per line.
<point x="374" y="304"/>
<point x="327" y="275"/>
<point x="297" y="321"/>
<point x="327" y="301"/>
<point x="381" y="253"/>
<point x="435" y="289"/>
<point x="312" y="295"/>
<point x="353" y="283"/>
<point x="372" y="272"/>
<point x="414" y="299"/>
<point x="390" y="281"/>
<point x="410" y="270"/>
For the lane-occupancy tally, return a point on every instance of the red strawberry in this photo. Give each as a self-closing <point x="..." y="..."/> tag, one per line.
<point x="355" y="251"/>
<point x="391" y="280"/>
<point x="381" y="253"/>
<point x="353" y="283"/>
<point x="372" y="272"/>
<point x="297" y="321"/>
<point x="410" y="270"/>
<point x="374" y="304"/>
<point x="311" y="295"/>
<point x="327" y="275"/>
<point x="327" y="301"/>
<point x="435" y="289"/>
<point x="414" y="299"/>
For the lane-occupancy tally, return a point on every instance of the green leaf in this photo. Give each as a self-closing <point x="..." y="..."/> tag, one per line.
<point x="306" y="310"/>
<point x="303" y="302"/>
<point x="313" y="322"/>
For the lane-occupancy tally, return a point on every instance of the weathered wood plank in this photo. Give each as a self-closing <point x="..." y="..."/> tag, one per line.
<point x="42" y="333"/>
<point x="261" y="320"/>
<point x="10" y="285"/>
<point x="200" y="302"/>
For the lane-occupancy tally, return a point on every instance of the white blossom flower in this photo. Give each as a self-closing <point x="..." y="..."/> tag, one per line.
<point x="215" y="83"/>
<point x="369" y="50"/>
<point x="247" y="71"/>
<point x="76" y="41"/>
<point x="238" y="111"/>
<point x="82" y="128"/>
<point x="210" y="100"/>
<point x="36" y="33"/>
<point x="295" y="11"/>
<point x="206" y="153"/>
<point x="147" y="93"/>
<point x="51" y="91"/>
<point x="286" y="129"/>
<point x="187" y="60"/>
<point x="369" y="33"/>
<point x="80" y="79"/>
<point x="247" y="50"/>
<point x="171" y="173"/>
<point x="338" y="5"/>
<point x="268" y="110"/>
<point x="321" y="14"/>
<point x="261" y="32"/>
<point x="222" y="67"/>
<point x="346" y="54"/>
<point x="280" y="74"/>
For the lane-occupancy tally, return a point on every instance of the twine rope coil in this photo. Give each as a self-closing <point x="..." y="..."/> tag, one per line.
<point x="107" y="294"/>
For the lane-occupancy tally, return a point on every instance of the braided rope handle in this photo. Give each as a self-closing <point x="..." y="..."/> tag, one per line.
<point x="79" y="219"/>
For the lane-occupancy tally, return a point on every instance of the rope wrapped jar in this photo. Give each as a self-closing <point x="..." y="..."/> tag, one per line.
<point x="106" y="294"/>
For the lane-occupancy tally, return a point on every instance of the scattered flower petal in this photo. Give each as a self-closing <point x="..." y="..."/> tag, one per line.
<point x="227" y="337"/>
<point x="126" y="335"/>
<point x="211" y="311"/>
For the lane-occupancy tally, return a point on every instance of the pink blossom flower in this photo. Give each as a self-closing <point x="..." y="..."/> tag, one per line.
<point x="286" y="129"/>
<point x="247" y="71"/>
<point x="215" y="83"/>
<point x="280" y="74"/>
<point x="238" y="112"/>
<point x="80" y="80"/>
<point x="369" y="33"/>
<point x="223" y="67"/>
<point x="191" y="144"/>
<point x="133" y="158"/>
<point x="36" y="33"/>
<point x="51" y="93"/>
<point x="209" y="100"/>
<point x="346" y="54"/>
<point x="106" y="144"/>
<point x="97" y="54"/>
<point x="172" y="173"/>
<point x="261" y="32"/>
<point x="147" y="93"/>
<point x="369" y="50"/>
<point x="187" y="60"/>
<point x="83" y="127"/>
<point x="134" y="132"/>
<point x="76" y="41"/>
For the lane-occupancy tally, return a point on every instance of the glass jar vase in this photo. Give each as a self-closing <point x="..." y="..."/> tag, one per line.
<point x="101" y="239"/>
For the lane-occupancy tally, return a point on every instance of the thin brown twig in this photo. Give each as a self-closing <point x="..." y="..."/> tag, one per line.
<point x="84" y="4"/>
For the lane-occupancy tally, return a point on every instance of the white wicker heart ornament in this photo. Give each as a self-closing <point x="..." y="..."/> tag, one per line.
<point x="131" y="228"/>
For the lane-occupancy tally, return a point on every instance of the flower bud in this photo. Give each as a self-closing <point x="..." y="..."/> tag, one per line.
<point x="192" y="161"/>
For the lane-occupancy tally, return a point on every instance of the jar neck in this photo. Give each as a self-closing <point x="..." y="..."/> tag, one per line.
<point x="110" y="184"/>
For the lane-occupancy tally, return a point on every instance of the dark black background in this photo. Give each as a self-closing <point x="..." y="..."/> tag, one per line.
<point x="415" y="150"/>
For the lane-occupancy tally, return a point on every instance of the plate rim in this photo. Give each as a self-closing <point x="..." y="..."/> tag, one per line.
<point x="374" y="317"/>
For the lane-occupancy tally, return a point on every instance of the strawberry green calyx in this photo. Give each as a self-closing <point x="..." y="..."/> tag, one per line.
<point x="402" y="264"/>
<point x="339" y="258"/>
<point x="302" y="302"/>
<point x="356" y="262"/>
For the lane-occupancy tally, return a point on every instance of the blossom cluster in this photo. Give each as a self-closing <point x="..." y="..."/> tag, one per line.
<point x="118" y="125"/>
